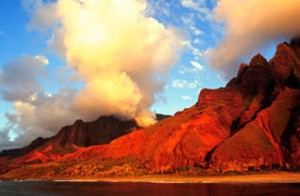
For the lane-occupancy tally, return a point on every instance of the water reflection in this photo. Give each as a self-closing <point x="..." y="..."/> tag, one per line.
<point x="138" y="189"/>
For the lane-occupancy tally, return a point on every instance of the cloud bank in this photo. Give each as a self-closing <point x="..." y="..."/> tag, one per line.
<point x="119" y="53"/>
<point x="250" y="25"/>
<point x="18" y="78"/>
<point x="117" y="50"/>
<point x="35" y="112"/>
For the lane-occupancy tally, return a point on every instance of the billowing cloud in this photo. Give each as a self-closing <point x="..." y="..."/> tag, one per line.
<point x="19" y="81"/>
<point x="42" y="114"/>
<point x="35" y="112"/>
<point x="250" y="25"/>
<point x="115" y="48"/>
<point x="119" y="52"/>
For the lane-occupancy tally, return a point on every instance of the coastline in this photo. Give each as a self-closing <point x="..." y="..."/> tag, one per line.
<point x="245" y="178"/>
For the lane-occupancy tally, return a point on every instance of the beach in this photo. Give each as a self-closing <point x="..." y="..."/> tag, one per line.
<point x="280" y="177"/>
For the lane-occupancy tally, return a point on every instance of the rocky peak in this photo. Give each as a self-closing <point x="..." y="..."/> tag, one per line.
<point x="286" y="64"/>
<point x="101" y="131"/>
<point x="258" y="60"/>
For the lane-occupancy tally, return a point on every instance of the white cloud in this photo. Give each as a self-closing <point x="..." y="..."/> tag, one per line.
<point x="158" y="7"/>
<point x="41" y="115"/>
<point x="197" y="54"/>
<point x="195" y="68"/>
<point x="197" y="65"/>
<point x="192" y="4"/>
<point x="184" y="84"/>
<point x="197" y="41"/>
<point x="47" y="94"/>
<point x="90" y="41"/>
<point x="195" y="51"/>
<point x="42" y="59"/>
<point x="187" y="69"/>
<point x="32" y="97"/>
<point x="196" y="31"/>
<point x="250" y="25"/>
<point x="188" y="19"/>
<point x="115" y="48"/>
<point x="199" y="6"/>
<point x="186" y="97"/>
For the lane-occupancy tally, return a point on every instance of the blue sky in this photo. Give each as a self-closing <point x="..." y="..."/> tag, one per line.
<point x="17" y="40"/>
<point x="194" y="20"/>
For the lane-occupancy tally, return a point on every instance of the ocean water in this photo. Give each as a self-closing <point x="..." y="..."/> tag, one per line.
<point x="53" y="188"/>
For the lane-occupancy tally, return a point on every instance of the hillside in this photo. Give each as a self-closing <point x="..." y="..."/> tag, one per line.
<point x="251" y="124"/>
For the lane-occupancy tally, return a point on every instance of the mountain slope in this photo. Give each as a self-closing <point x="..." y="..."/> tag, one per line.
<point x="80" y="134"/>
<point x="244" y="125"/>
<point x="252" y="123"/>
<point x="13" y="153"/>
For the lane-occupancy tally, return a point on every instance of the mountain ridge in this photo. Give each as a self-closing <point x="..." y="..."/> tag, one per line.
<point x="252" y="123"/>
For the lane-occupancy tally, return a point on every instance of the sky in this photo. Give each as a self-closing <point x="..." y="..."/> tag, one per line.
<point x="62" y="60"/>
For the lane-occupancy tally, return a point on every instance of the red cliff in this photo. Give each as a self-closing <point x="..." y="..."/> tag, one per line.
<point x="253" y="123"/>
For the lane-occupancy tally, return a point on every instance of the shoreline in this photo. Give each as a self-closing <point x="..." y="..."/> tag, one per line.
<point x="247" y="178"/>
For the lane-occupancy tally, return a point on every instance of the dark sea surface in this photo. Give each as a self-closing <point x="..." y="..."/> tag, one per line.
<point x="50" y="188"/>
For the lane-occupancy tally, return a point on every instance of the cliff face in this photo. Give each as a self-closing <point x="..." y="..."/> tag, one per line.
<point x="101" y="131"/>
<point x="252" y="123"/>
<point x="271" y="137"/>
<point x="71" y="138"/>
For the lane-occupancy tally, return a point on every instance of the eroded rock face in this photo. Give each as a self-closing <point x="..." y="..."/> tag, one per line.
<point x="69" y="139"/>
<point x="266" y="132"/>
<point x="101" y="131"/>
<point x="259" y="142"/>
<point x="253" y="122"/>
<point x="244" y="125"/>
